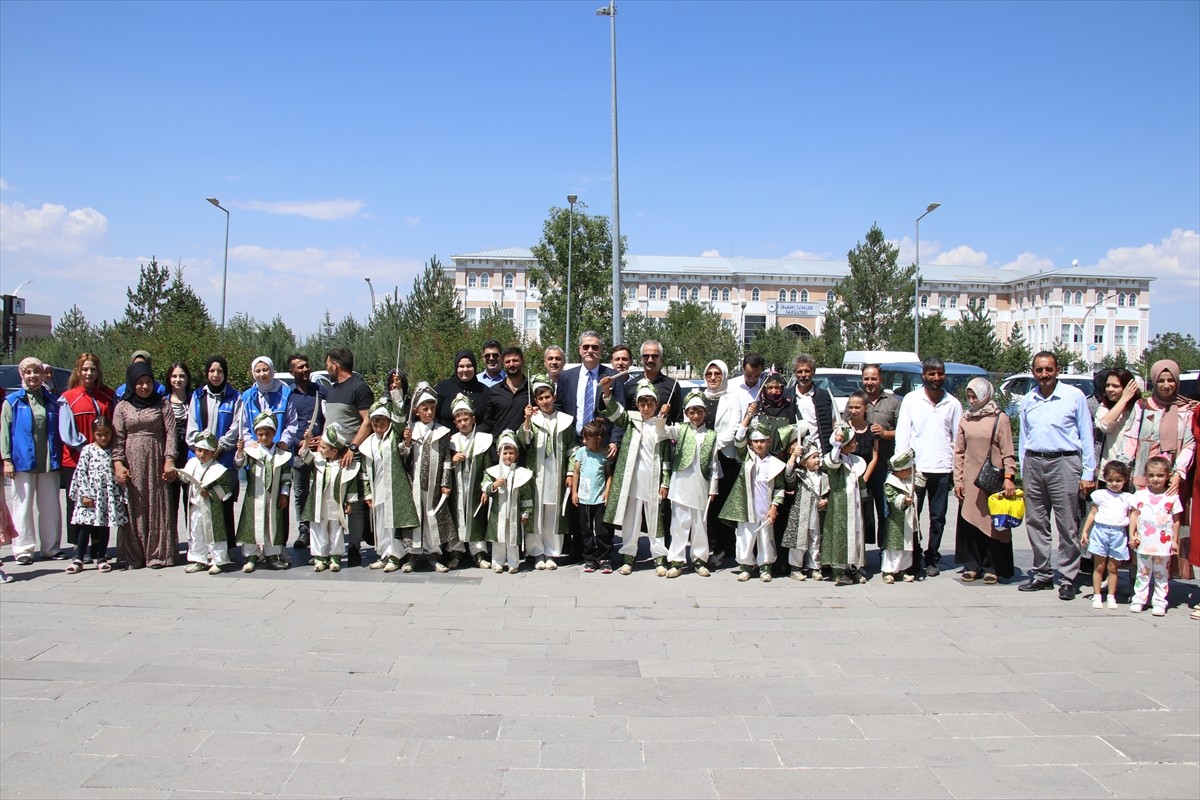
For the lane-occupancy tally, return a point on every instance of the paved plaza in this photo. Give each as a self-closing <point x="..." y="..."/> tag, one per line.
<point x="154" y="683"/>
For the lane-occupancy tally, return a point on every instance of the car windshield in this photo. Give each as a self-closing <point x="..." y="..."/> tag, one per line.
<point x="839" y="385"/>
<point x="958" y="383"/>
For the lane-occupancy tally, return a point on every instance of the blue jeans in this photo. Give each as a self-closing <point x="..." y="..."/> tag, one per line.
<point x="937" y="489"/>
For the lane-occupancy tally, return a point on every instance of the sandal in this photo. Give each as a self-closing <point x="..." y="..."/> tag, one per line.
<point x="104" y="566"/>
<point x="968" y="577"/>
<point x="1196" y="612"/>
<point x="990" y="578"/>
<point x="76" y="567"/>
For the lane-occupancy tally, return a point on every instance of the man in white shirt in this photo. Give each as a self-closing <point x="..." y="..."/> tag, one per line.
<point x="750" y="381"/>
<point x="928" y="423"/>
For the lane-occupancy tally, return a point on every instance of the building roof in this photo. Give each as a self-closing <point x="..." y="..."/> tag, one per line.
<point x="517" y="253"/>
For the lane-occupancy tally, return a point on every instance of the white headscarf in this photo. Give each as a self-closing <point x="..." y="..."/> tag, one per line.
<point x="983" y="405"/>
<point x="272" y="384"/>
<point x="713" y="394"/>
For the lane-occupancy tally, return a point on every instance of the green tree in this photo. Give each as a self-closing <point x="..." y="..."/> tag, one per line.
<point x="590" y="249"/>
<point x="778" y="346"/>
<point x="832" y="343"/>
<point x="1063" y="354"/>
<point x="973" y="340"/>
<point x="493" y="324"/>
<point x="637" y="328"/>
<point x="693" y="333"/>
<point x="1119" y="359"/>
<point x="1180" y="348"/>
<point x="1016" y="355"/>
<point x="433" y="325"/>
<point x="147" y="302"/>
<point x="935" y="336"/>
<point x="875" y="297"/>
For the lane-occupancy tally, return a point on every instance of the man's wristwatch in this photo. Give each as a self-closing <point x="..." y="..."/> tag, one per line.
<point x="354" y="449"/>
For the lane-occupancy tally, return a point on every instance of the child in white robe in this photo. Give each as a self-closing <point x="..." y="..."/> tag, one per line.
<point x="508" y="491"/>
<point x="261" y="527"/>
<point x="548" y="435"/>
<point x="333" y="489"/>
<point x="695" y="472"/>
<point x="897" y="539"/>
<point x="208" y="483"/>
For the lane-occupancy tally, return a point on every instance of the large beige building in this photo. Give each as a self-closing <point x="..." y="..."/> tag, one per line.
<point x="1093" y="313"/>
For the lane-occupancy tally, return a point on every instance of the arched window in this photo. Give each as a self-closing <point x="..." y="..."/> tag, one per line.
<point x="484" y="280"/>
<point x="724" y="295"/>
<point x="942" y="301"/>
<point x="662" y="292"/>
<point x="695" y="294"/>
<point x="1120" y="299"/>
<point x="754" y="294"/>
<point x="1099" y="297"/>
<point x="924" y="301"/>
<point x="954" y="301"/>
<point x="508" y="280"/>
<point x="1133" y="301"/>
<point x="783" y="295"/>
<point x="473" y="279"/>
<point x="683" y="293"/>
<point x="804" y="295"/>
<point x="653" y="294"/>
<point x="713" y="294"/>
<point x="792" y="295"/>
<point x="829" y="297"/>
<point x="1079" y="298"/>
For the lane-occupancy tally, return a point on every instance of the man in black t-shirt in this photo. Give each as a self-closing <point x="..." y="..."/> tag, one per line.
<point x="348" y="405"/>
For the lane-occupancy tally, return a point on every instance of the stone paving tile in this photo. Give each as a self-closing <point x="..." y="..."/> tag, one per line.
<point x="1036" y="783"/>
<point x="197" y="774"/>
<point x="647" y="784"/>
<point x="688" y="729"/>
<point x="1159" y="723"/>
<point x="699" y="754"/>
<point x="145" y="742"/>
<point x="752" y="784"/>
<point x="1101" y="700"/>
<point x="1148" y="780"/>
<point x="401" y="783"/>
<point x="831" y="726"/>
<point x="533" y="705"/>
<point x="532" y="784"/>
<point x="269" y="747"/>
<point x="50" y="769"/>
<point x="362" y="750"/>
<point x="477" y="754"/>
<point x="901" y="726"/>
<point x="591" y="731"/>
<point x="429" y="726"/>
<point x="1158" y="749"/>
<point x="1092" y="723"/>
<point x="587" y="755"/>
<point x="853" y="753"/>
<point x="1012" y="751"/>
<point x="993" y="725"/>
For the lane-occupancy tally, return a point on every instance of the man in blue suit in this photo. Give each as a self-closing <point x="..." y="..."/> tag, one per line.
<point x="578" y="390"/>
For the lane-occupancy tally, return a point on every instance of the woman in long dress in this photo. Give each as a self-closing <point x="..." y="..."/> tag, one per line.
<point x="144" y="454"/>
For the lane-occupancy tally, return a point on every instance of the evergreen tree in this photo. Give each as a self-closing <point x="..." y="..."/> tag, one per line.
<point x="433" y="325"/>
<point x="637" y="328"/>
<point x="1119" y="359"/>
<point x="778" y="346"/>
<point x="973" y="340"/>
<point x="693" y="334"/>
<point x="875" y="296"/>
<point x="833" y="345"/>
<point x="1063" y="354"/>
<point x="147" y="303"/>
<point x="935" y="336"/>
<point x="1016" y="355"/>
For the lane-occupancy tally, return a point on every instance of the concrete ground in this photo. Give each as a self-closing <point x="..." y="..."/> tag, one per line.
<point x="154" y="683"/>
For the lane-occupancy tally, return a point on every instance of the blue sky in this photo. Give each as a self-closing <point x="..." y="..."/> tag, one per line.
<point x="359" y="139"/>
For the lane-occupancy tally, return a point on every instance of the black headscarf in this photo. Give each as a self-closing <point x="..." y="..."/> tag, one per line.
<point x="449" y="388"/>
<point x="774" y="407"/>
<point x="217" y="390"/>
<point x="133" y="373"/>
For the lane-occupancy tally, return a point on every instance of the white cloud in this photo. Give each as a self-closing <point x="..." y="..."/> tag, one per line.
<point x="1030" y="262"/>
<point x="1174" y="262"/>
<point x="711" y="254"/>
<point x="908" y="250"/>
<point x="4" y="187"/>
<point x="50" y="229"/>
<point x="962" y="256"/>
<point x="804" y="255"/>
<point x="412" y="222"/>
<point x="323" y="210"/>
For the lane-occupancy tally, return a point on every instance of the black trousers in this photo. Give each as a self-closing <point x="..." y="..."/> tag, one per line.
<point x="91" y="542"/>
<point x="937" y="489"/>
<point x="596" y="536"/>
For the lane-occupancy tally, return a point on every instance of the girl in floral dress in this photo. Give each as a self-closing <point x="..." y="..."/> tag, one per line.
<point x="1156" y="518"/>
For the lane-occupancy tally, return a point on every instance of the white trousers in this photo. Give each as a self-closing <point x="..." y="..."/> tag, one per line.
<point x="40" y="489"/>
<point x="262" y="551"/>
<point x="202" y="548"/>
<point x="635" y="512"/>
<point x="752" y="537"/>
<point x="688" y="526"/>
<point x="328" y="538"/>
<point x="807" y="553"/>
<point x="895" y="561"/>
<point x="510" y="553"/>
<point x="545" y="542"/>
<point x="1151" y="569"/>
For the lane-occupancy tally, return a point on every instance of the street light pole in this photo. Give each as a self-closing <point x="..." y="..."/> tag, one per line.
<point x="225" y="272"/>
<point x="372" y="288"/>
<point x="1084" y="324"/>
<point x="917" y="284"/>
<point x="610" y="11"/>
<point x="571" y="199"/>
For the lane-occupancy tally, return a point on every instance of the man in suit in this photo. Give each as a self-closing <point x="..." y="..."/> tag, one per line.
<point x="578" y="390"/>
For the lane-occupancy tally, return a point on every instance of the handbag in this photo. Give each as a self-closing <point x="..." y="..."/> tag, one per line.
<point x="990" y="479"/>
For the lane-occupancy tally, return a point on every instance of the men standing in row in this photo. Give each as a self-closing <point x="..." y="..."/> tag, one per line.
<point x="306" y="399"/>
<point x="667" y="388"/>
<point x="1058" y="459"/>
<point x="883" y="411"/>
<point x="813" y="406"/>
<point x="504" y="403"/>
<point x="927" y="424"/>
<point x="493" y="369"/>
<point x="749" y="382"/>
<point x="578" y="391"/>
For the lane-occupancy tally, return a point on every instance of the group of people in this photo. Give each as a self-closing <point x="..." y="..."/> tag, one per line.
<point x="499" y="467"/>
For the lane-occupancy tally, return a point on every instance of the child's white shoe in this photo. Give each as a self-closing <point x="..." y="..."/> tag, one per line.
<point x="551" y="564"/>
<point x="1136" y="608"/>
<point x="498" y="568"/>
<point x="1097" y="602"/>
<point x="1112" y="603"/>
<point x="888" y="578"/>
<point x="702" y="569"/>
<point x="195" y="566"/>
<point x="540" y="565"/>
<point x="215" y="569"/>
<point x="1159" y="612"/>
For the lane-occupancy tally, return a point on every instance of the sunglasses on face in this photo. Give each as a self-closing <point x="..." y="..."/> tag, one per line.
<point x="589" y="347"/>
<point x="490" y="356"/>
<point x="650" y="356"/>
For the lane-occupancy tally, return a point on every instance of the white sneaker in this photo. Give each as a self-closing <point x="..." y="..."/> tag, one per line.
<point x="1159" y="612"/>
<point x="498" y="568"/>
<point x="540" y="565"/>
<point x="702" y="571"/>
<point x="1112" y="603"/>
<point x="1097" y="602"/>
<point x="1134" y="608"/>
<point x="551" y="564"/>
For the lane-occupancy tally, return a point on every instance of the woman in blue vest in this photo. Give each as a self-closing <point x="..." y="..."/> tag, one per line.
<point x="267" y="395"/>
<point x="214" y="409"/>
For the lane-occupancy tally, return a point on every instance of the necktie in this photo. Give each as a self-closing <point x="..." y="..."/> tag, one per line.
<point x="589" y="399"/>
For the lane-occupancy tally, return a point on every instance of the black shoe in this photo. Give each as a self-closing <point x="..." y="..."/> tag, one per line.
<point x="301" y="540"/>
<point x="1034" y="585"/>
<point x="932" y="571"/>
<point x="354" y="557"/>
<point x="1066" y="591"/>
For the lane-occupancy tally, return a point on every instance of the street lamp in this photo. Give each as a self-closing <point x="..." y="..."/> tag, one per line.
<point x="17" y="290"/>
<point x="917" y="284"/>
<point x="372" y="288"/>
<point x="1086" y="314"/>
<point x="571" y="199"/>
<point x="610" y="11"/>
<point x="225" y="273"/>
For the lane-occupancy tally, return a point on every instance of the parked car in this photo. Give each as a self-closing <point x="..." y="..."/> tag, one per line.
<point x="1023" y="383"/>
<point x="857" y="359"/>
<point x="1189" y="384"/>
<point x="840" y="383"/>
<point x="901" y="378"/>
<point x="10" y="378"/>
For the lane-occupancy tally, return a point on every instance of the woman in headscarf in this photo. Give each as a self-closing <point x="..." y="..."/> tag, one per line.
<point x="144" y="457"/>
<point x="725" y="412"/>
<point x="214" y="410"/>
<point x="268" y="395"/>
<point x="462" y="382"/>
<point x="1161" y="425"/>
<point x="86" y="398"/>
<point x="984" y="432"/>
<point x="1117" y="393"/>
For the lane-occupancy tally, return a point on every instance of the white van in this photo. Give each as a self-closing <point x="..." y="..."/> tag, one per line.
<point x="857" y="359"/>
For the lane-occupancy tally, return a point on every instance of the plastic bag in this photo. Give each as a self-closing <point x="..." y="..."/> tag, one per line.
<point x="1007" y="512"/>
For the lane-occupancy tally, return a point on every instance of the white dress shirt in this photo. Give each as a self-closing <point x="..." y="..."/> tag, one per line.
<point x="929" y="429"/>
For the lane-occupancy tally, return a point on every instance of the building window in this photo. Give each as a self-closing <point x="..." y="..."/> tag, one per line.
<point x="713" y="294"/>
<point x="683" y="293"/>
<point x="1078" y="337"/>
<point x="942" y="301"/>
<point x="473" y="279"/>
<point x="754" y="294"/>
<point x="792" y="295"/>
<point x="724" y="295"/>
<point x="662" y="292"/>
<point x="1098" y="333"/>
<point x="653" y="295"/>
<point x="1099" y="297"/>
<point x="1079" y="298"/>
<point x="954" y="301"/>
<point x="783" y="295"/>
<point x="484" y="280"/>
<point x="472" y="315"/>
<point x="804" y="295"/>
<point x="1133" y="299"/>
<point x="829" y="297"/>
<point x="1120" y="299"/>
<point x="1119" y="336"/>
<point x="751" y="326"/>
<point x="1066" y="332"/>
<point x="1131" y="336"/>
<point x="924" y="301"/>
<point x="1046" y="298"/>
<point x="508" y="280"/>
<point x="695" y="295"/>
<point x="508" y="314"/>
<point x="531" y="322"/>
